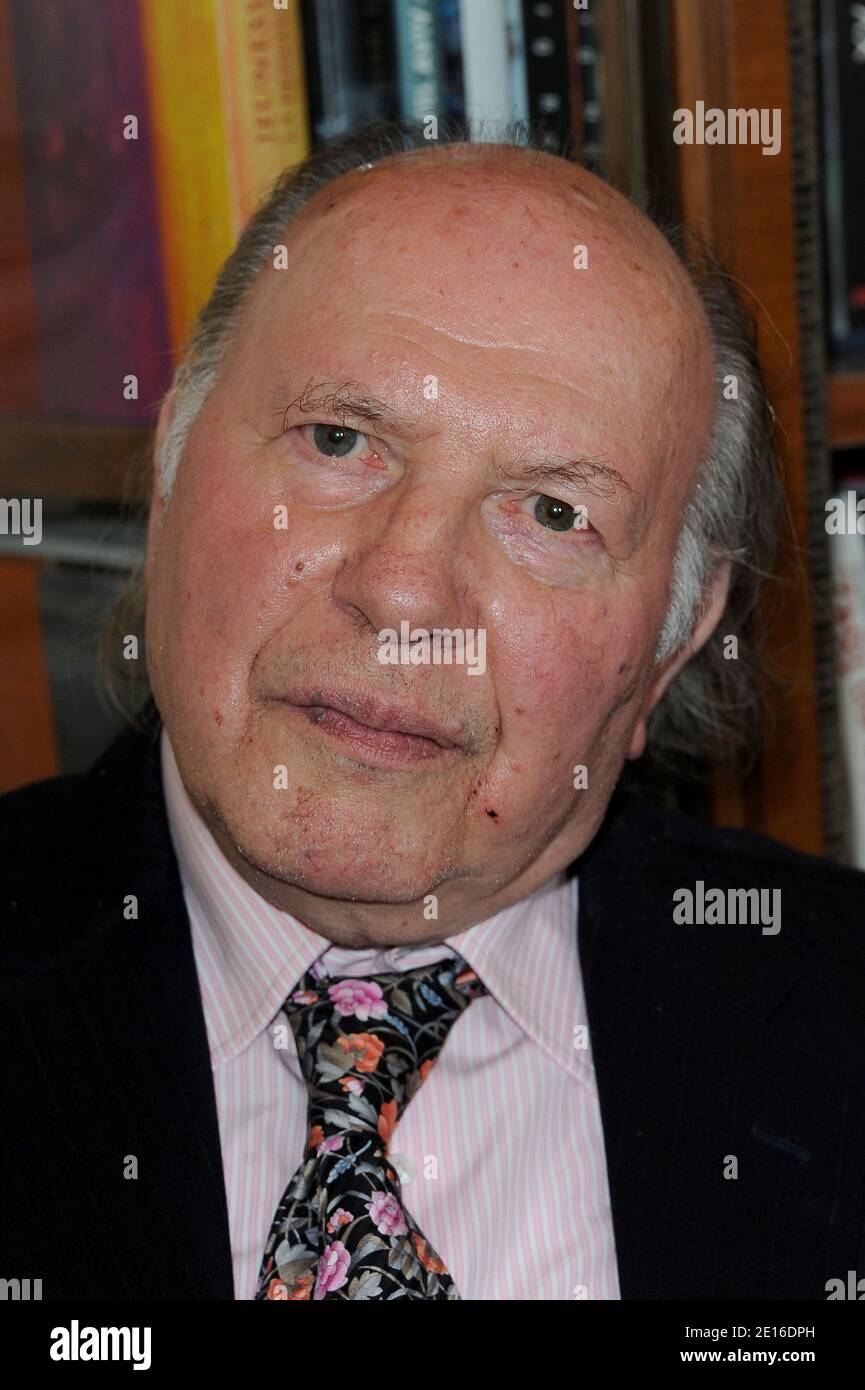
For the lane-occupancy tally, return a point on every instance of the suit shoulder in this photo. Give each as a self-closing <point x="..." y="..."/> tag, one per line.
<point x="821" y="902"/>
<point x="730" y="849"/>
<point x="37" y="825"/>
<point x="72" y="846"/>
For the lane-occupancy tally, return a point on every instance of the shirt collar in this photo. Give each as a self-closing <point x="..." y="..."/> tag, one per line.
<point x="251" y="954"/>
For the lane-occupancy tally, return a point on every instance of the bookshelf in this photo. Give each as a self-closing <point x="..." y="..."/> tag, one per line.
<point x="99" y="463"/>
<point x="845" y="390"/>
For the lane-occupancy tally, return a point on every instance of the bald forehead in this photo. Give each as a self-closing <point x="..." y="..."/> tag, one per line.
<point x="433" y="255"/>
<point x="476" y="190"/>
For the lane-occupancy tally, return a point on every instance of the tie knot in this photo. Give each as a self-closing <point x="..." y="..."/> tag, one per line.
<point x="413" y="995"/>
<point x="366" y="1044"/>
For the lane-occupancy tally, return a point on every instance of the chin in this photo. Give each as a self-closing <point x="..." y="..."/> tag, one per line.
<point x="354" y="867"/>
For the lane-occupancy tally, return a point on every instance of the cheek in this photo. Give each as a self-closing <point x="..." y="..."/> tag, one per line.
<point x="559" y="677"/>
<point x="222" y="584"/>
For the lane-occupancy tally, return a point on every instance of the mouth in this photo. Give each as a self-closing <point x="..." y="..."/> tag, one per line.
<point x="374" y="729"/>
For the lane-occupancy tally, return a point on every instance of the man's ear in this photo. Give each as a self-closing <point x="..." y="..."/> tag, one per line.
<point x="157" y="503"/>
<point x="715" y="602"/>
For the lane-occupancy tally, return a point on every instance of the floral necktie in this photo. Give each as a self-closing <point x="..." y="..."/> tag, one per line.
<point x="365" y="1046"/>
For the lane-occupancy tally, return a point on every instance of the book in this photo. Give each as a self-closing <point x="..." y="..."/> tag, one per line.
<point x="842" y="67"/>
<point x="19" y="365"/>
<point x="847" y="557"/>
<point x="347" y="46"/>
<point x="549" y="88"/>
<point x="420" y="59"/>
<point x="91" y="227"/>
<point x="487" y="74"/>
<point x="263" y="97"/>
<point x="188" y="133"/>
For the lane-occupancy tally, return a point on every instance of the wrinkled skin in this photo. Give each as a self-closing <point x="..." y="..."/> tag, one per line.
<point x="456" y="264"/>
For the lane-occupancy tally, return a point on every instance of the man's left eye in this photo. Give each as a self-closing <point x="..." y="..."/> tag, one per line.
<point x="555" y="515"/>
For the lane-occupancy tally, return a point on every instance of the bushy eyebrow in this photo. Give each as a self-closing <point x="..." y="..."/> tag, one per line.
<point x="588" y="475"/>
<point x="351" y="399"/>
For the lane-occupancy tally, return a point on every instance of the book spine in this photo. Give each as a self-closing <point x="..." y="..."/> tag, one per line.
<point x="547" y="69"/>
<point x="19" y="367"/>
<point x="190" y="155"/>
<point x="486" y="68"/>
<point x="847" y="552"/>
<point x="420" y="77"/>
<point x="93" y="234"/>
<point x="451" y="58"/>
<point x="378" y="61"/>
<point x="518" y="79"/>
<point x="339" y="97"/>
<point x="842" y="47"/>
<point x="264" y="97"/>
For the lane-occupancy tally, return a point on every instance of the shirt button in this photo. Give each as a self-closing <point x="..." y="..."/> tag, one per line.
<point x="404" y="1167"/>
<point x="396" y="953"/>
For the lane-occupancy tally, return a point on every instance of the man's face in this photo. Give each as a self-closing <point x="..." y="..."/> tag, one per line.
<point x="517" y="388"/>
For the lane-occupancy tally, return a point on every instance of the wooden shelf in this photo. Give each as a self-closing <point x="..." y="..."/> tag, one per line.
<point x="845" y="400"/>
<point x="106" y="463"/>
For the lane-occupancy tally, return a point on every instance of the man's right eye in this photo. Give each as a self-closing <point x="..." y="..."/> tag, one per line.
<point x="337" y="441"/>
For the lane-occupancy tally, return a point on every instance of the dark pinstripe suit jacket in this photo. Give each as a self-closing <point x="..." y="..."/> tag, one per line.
<point x="711" y="1043"/>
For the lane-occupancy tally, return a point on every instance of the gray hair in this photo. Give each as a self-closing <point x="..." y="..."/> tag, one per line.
<point x="709" y="712"/>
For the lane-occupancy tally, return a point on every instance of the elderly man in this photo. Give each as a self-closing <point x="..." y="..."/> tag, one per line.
<point x="348" y="973"/>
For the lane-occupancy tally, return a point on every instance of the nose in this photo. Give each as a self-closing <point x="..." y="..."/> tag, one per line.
<point x="408" y="562"/>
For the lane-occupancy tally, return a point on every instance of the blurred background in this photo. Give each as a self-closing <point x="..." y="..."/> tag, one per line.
<point x="136" y="137"/>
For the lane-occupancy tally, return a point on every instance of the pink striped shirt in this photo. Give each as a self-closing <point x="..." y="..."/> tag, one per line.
<point x="501" y="1150"/>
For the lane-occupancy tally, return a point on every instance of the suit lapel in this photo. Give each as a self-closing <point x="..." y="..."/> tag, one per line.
<point x="723" y="1121"/>
<point x="118" y="1055"/>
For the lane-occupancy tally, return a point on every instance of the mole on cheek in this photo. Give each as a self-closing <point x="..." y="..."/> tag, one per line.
<point x="493" y="815"/>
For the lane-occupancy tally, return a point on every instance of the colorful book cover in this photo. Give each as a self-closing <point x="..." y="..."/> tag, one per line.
<point x="19" y="367"/>
<point x="847" y="556"/>
<point x="419" y="60"/>
<point x="263" y="96"/>
<point x="91" y="224"/>
<point x="187" y="127"/>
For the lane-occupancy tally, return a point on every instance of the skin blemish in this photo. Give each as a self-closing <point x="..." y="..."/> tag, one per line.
<point x="493" y="815"/>
<point x="299" y="566"/>
<point x="217" y="716"/>
<point x="621" y="667"/>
